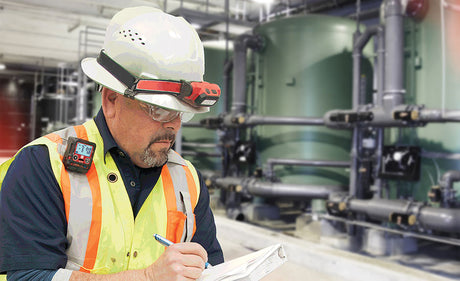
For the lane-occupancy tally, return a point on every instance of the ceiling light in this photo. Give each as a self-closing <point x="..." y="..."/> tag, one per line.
<point x="2" y="66"/>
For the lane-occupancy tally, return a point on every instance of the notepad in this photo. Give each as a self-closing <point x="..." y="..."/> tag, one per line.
<point x="251" y="267"/>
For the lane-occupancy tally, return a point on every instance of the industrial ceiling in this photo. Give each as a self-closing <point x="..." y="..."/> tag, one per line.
<point x="37" y="34"/>
<point x="56" y="32"/>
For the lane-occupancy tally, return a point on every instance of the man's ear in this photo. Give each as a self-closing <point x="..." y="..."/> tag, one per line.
<point x="109" y="99"/>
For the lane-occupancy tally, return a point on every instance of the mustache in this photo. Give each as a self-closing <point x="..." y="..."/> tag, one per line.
<point x="169" y="136"/>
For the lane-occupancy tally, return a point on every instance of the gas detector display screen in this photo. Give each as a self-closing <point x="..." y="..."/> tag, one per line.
<point x="83" y="149"/>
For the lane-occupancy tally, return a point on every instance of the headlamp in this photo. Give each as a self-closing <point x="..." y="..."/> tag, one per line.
<point x="194" y="93"/>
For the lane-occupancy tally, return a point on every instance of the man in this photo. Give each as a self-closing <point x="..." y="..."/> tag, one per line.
<point x="88" y="199"/>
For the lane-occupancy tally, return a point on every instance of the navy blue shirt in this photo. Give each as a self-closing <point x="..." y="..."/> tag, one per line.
<point x="33" y="225"/>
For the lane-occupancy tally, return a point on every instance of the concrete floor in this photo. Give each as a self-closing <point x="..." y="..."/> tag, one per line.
<point x="313" y="261"/>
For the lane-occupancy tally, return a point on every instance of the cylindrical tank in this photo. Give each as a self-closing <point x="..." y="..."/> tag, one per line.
<point x="305" y="70"/>
<point x="424" y="85"/>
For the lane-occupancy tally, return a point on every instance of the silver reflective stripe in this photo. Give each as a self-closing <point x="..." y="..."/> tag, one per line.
<point x="62" y="275"/>
<point x="183" y="202"/>
<point x="188" y="227"/>
<point x="80" y="211"/>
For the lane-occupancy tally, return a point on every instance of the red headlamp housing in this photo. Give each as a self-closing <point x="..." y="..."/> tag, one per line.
<point x="193" y="93"/>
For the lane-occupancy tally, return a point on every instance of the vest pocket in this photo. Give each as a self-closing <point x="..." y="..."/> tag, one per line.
<point x="175" y="226"/>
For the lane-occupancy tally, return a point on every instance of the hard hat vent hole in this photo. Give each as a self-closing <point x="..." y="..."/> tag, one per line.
<point x="133" y="35"/>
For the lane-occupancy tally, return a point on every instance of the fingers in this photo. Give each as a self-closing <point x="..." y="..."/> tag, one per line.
<point x="191" y="248"/>
<point x="181" y="261"/>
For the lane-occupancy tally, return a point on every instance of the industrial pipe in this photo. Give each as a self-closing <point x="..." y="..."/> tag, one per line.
<point x="400" y="116"/>
<point x="228" y="67"/>
<point x="240" y="46"/>
<point x="201" y="145"/>
<point x="271" y="162"/>
<point x="201" y="154"/>
<point x="281" y="120"/>
<point x="401" y="212"/>
<point x="394" y="55"/>
<point x="275" y="190"/>
<point x="448" y="179"/>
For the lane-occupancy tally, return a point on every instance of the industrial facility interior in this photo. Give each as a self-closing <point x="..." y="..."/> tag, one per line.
<point x="337" y="132"/>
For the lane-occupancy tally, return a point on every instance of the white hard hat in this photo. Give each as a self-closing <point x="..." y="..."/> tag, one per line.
<point x="150" y="44"/>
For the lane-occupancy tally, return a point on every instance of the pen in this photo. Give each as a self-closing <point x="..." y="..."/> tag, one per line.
<point x="165" y="242"/>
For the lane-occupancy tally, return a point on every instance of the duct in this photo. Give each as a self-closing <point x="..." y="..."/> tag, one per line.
<point x="271" y="162"/>
<point x="241" y="44"/>
<point x="404" y="213"/>
<point x="394" y="55"/>
<point x="276" y="190"/>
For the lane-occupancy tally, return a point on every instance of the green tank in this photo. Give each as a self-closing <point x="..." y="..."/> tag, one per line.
<point x="305" y="70"/>
<point x="424" y="81"/>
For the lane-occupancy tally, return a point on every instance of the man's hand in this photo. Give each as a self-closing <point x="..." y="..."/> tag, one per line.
<point x="182" y="261"/>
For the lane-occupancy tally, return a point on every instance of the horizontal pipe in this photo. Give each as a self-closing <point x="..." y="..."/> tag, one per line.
<point x="200" y="145"/>
<point x="317" y="163"/>
<point x="271" y="162"/>
<point x="279" y="120"/>
<point x="198" y="153"/>
<point x="277" y="190"/>
<point x="192" y="125"/>
<point x="401" y="116"/>
<point x="439" y="219"/>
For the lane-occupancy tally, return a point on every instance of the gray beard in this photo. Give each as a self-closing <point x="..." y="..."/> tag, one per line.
<point x="153" y="159"/>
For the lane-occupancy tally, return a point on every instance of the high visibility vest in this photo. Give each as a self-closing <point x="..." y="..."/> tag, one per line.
<point x="102" y="233"/>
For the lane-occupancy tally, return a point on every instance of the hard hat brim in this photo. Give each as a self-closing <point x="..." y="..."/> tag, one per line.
<point x="100" y="75"/>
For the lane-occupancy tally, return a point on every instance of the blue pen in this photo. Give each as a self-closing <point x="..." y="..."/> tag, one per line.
<point x="167" y="243"/>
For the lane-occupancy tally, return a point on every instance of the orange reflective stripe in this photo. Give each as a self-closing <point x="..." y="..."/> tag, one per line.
<point x="54" y="138"/>
<point x="96" y="220"/>
<point x="191" y="186"/>
<point x="192" y="190"/>
<point x="81" y="132"/>
<point x="168" y="188"/>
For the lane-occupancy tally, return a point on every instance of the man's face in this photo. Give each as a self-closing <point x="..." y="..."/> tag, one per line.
<point x="146" y="141"/>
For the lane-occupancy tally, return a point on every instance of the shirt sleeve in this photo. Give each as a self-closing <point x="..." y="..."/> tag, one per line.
<point x="31" y="275"/>
<point x="32" y="217"/>
<point x="205" y="234"/>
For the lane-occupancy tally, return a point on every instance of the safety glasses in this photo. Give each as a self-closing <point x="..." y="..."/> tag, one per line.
<point x="160" y="114"/>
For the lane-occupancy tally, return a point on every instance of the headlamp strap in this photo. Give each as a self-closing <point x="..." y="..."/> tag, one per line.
<point x="193" y="93"/>
<point x="118" y="72"/>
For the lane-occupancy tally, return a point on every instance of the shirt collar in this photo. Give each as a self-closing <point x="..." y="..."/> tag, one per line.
<point x="107" y="137"/>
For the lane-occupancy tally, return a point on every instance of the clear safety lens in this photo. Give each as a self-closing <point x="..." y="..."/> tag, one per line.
<point x="160" y="114"/>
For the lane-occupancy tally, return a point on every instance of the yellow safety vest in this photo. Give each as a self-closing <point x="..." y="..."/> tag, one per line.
<point x="102" y="233"/>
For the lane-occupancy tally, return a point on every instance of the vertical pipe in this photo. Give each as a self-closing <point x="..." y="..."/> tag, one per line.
<point x="239" y="76"/>
<point x="394" y="55"/>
